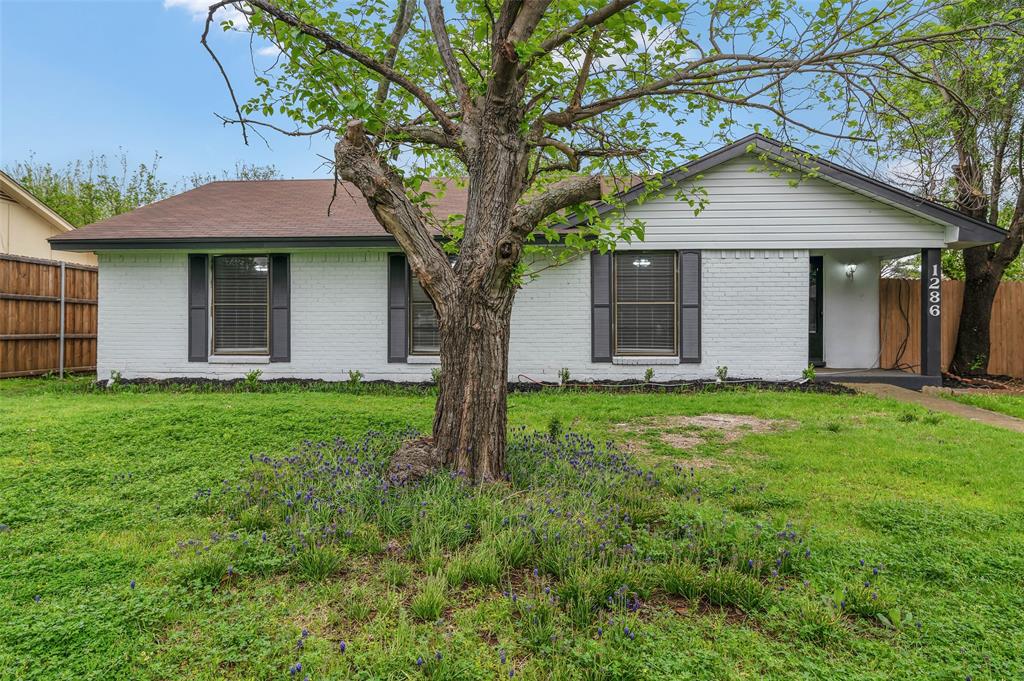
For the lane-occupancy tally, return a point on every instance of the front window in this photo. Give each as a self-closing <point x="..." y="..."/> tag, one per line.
<point x="645" y="288"/>
<point x="240" y="304"/>
<point x="424" y="338"/>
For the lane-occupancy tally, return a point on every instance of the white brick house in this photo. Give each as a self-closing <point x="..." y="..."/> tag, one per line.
<point x="771" y="275"/>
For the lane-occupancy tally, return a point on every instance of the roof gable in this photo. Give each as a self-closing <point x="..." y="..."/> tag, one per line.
<point x="15" y="192"/>
<point x="971" y="231"/>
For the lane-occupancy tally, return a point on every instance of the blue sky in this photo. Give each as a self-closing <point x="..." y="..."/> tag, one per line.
<point x="85" y="76"/>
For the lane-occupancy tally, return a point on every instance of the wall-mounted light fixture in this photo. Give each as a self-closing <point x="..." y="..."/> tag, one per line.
<point x="851" y="270"/>
<point x="641" y="262"/>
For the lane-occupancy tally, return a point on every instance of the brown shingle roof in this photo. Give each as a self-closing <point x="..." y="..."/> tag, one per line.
<point x="261" y="209"/>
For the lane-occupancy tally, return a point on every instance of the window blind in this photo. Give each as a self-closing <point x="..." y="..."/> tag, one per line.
<point x="240" y="304"/>
<point x="425" y="339"/>
<point x="645" y="303"/>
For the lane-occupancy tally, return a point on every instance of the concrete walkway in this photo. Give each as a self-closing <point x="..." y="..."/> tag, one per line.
<point x="936" y="403"/>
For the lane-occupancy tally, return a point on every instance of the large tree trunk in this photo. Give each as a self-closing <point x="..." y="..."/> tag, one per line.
<point x="981" y="282"/>
<point x="470" y="416"/>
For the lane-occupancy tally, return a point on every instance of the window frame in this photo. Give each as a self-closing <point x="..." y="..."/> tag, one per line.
<point x="410" y="281"/>
<point x="616" y="352"/>
<point x="214" y="352"/>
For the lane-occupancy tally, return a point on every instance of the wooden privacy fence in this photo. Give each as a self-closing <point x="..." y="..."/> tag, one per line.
<point x="900" y="325"/>
<point x="47" y="316"/>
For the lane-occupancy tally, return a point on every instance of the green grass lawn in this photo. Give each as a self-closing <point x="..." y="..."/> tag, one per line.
<point x="138" y="540"/>
<point x="1012" y="405"/>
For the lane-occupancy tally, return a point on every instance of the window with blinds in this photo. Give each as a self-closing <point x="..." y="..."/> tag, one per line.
<point x="646" y="305"/>
<point x="424" y="338"/>
<point x="240" y="304"/>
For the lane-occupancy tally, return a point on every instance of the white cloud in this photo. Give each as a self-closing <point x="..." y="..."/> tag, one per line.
<point x="199" y="9"/>
<point x="268" y="51"/>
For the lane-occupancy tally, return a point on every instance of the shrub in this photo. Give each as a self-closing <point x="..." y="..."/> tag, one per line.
<point x="563" y="375"/>
<point x="649" y="375"/>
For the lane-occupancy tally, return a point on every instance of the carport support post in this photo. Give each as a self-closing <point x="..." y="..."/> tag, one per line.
<point x="931" y="312"/>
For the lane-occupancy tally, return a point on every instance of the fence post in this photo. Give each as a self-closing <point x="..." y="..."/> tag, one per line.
<point x="63" y="275"/>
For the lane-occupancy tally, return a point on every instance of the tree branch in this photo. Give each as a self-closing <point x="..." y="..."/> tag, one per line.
<point x="406" y="11"/>
<point x="357" y="161"/>
<point x="444" y="47"/>
<point x="556" y="40"/>
<point x="227" y="81"/>
<point x="568" y="192"/>
<point x="383" y="70"/>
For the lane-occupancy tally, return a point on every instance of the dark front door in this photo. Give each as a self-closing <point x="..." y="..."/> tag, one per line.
<point x="816" y="330"/>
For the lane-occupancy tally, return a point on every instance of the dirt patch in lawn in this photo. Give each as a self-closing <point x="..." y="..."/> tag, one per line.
<point x="731" y="426"/>
<point x="689" y="432"/>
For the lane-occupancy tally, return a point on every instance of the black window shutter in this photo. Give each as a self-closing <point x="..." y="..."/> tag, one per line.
<point x="198" y="307"/>
<point x="398" y="308"/>
<point x="601" y="307"/>
<point x="280" y="309"/>
<point x="689" y="306"/>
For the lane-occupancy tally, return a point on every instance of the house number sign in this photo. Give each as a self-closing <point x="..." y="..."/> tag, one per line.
<point x="935" y="292"/>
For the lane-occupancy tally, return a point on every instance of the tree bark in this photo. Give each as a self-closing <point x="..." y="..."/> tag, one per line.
<point x="971" y="355"/>
<point x="470" y="416"/>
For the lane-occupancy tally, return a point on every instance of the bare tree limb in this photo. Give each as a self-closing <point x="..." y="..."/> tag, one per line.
<point x="357" y="162"/>
<point x="444" y="47"/>
<point x="568" y="192"/>
<point x="227" y="81"/>
<point x="406" y="11"/>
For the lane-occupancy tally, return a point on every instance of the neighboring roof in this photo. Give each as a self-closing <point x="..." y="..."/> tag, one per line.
<point x="278" y="213"/>
<point x="10" y="188"/>
<point x="971" y="230"/>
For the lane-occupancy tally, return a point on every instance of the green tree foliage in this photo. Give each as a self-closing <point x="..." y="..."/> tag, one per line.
<point x="956" y="127"/>
<point x="94" y="189"/>
<point x="90" y="190"/>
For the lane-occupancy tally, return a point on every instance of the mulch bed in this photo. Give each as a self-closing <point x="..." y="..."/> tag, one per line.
<point x="626" y="386"/>
<point x="1007" y="383"/>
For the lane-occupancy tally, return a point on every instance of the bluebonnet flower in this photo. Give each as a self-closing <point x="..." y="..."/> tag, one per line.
<point x="131" y="585"/>
<point x="341" y="647"/>
<point x="419" y="661"/>
<point x="437" y="655"/>
<point x="37" y="598"/>
<point x="501" y="656"/>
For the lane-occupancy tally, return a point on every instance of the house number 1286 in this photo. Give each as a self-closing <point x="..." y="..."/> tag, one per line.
<point x="934" y="292"/>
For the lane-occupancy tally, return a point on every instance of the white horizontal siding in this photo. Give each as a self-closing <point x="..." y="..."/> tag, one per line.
<point x="746" y="209"/>
<point x="754" y="319"/>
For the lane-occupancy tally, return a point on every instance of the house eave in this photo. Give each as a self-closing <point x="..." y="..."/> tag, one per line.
<point x="262" y="243"/>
